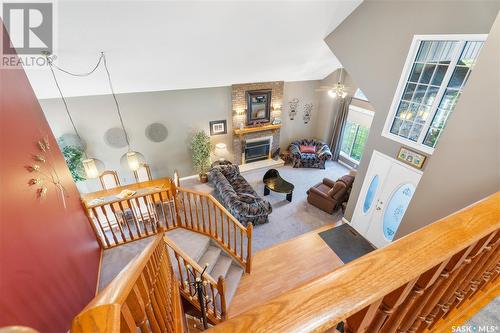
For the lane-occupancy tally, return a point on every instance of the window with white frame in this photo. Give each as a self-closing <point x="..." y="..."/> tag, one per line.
<point x="435" y="73"/>
<point x="355" y="133"/>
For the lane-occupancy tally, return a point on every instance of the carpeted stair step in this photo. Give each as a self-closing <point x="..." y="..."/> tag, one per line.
<point x="210" y="257"/>
<point x="221" y="267"/>
<point x="232" y="278"/>
<point x="192" y="243"/>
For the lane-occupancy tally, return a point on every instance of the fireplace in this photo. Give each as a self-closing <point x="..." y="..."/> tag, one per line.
<point x="257" y="149"/>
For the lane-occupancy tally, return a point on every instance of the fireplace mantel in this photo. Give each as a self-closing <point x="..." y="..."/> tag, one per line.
<point x="246" y="130"/>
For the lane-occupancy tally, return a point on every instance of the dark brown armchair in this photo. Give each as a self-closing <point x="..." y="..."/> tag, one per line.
<point x="329" y="195"/>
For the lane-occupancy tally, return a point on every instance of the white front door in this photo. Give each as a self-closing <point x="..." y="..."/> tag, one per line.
<point x="386" y="193"/>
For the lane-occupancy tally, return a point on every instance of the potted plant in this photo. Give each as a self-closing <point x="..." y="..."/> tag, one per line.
<point x="74" y="156"/>
<point x="201" y="146"/>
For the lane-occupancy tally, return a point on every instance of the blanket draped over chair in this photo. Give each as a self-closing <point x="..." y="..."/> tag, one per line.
<point x="309" y="160"/>
<point x="236" y="194"/>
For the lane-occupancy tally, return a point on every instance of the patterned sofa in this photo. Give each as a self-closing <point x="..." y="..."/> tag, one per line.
<point x="309" y="160"/>
<point x="239" y="198"/>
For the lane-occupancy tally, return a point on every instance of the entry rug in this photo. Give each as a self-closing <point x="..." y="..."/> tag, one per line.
<point x="346" y="242"/>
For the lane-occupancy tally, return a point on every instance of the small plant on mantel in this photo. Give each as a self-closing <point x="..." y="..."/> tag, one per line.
<point x="201" y="147"/>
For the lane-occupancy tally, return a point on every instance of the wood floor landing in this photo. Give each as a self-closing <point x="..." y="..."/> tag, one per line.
<point x="283" y="267"/>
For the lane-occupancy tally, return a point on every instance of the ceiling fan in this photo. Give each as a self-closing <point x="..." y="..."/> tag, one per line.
<point x="337" y="90"/>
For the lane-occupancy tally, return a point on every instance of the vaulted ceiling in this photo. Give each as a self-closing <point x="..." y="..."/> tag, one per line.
<point x="164" y="45"/>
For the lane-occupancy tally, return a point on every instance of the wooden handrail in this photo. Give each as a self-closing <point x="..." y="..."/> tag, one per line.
<point x="216" y="202"/>
<point x="160" y="206"/>
<point x="221" y="226"/>
<point x="118" y="221"/>
<point x="408" y="285"/>
<point x="143" y="293"/>
<point x="166" y="182"/>
<point x="188" y="259"/>
<point x="216" y="309"/>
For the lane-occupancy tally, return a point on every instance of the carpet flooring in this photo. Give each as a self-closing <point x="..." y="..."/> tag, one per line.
<point x="288" y="219"/>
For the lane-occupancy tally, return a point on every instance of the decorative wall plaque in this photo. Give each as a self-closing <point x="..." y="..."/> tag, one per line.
<point x="411" y="157"/>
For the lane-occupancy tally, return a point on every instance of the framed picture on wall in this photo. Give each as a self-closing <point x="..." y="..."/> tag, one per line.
<point x="411" y="157"/>
<point x="218" y="127"/>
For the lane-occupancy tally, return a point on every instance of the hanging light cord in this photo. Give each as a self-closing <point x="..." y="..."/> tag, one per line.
<point x="116" y="101"/>
<point x="102" y="59"/>
<point x="49" y="61"/>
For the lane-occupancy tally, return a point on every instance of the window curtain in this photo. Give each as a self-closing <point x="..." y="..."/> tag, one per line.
<point x="338" y="127"/>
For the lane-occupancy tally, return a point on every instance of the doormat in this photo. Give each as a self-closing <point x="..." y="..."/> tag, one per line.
<point x="346" y="242"/>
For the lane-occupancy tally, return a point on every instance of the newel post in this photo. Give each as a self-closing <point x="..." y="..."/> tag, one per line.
<point x="91" y="222"/>
<point x="249" y="247"/>
<point x="221" y="286"/>
<point x="175" y="191"/>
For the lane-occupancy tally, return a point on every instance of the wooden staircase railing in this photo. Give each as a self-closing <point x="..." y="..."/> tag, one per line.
<point x="162" y="207"/>
<point x="419" y="283"/>
<point x="120" y="221"/>
<point x="201" y="212"/>
<point x="215" y="290"/>
<point x="144" y="296"/>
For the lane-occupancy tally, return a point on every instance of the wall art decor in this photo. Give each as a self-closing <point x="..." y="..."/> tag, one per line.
<point x="218" y="127"/>
<point x="411" y="157"/>
<point x="44" y="172"/>
<point x="293" y="105"/>
<point x="307" y="112"/>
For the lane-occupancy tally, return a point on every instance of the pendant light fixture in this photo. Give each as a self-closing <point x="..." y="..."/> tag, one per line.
<point x="339" y="89"/>
<point x="131" y="159"/>
<point x="92" y="166"/>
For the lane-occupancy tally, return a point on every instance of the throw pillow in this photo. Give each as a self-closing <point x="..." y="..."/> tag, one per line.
<point x="307" y="149"/>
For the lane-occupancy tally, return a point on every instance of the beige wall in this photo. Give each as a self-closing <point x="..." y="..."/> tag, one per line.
<point x="294" y="129"/>
<point x="466" y="167"/>
<point x="181" y="111"/>
<point x="372" y="44"/>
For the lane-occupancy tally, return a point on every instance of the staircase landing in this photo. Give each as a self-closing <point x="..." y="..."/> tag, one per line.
<point x="115" y="259"/>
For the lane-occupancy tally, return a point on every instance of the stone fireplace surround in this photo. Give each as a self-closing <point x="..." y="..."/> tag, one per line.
<point x="239" y="104"/>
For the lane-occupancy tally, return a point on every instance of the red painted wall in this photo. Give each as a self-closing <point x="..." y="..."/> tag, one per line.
<point x="49" y="256"/>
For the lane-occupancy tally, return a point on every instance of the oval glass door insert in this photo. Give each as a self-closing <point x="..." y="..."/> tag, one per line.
<point x="396" y="208"/>
<point x="370" y="194"/>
